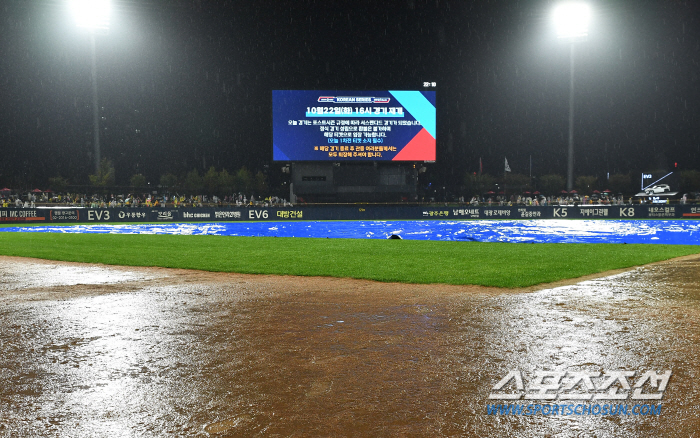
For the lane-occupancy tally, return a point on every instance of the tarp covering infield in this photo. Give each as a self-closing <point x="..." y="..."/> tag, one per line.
<point x="678" y="232"/>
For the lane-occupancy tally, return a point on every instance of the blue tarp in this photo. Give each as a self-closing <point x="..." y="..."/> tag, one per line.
<point x="686" y="232"/>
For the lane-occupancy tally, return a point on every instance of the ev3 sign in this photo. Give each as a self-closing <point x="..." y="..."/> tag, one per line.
<point x="98" y="215"/>
<point x="582" y="385"/>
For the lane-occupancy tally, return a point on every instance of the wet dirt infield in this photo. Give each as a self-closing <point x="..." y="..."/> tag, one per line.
<point x="104" y="351"/>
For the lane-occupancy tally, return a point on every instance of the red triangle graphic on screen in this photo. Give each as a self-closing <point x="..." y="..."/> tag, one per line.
<point x="421" y="148"/>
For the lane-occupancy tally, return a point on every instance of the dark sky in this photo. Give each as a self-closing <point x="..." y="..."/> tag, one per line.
<point x="187" y="84"/>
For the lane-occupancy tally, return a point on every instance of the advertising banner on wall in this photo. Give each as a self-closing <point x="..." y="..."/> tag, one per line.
<point x="341" y="212"/>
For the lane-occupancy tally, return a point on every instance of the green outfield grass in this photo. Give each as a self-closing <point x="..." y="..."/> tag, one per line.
<point x="506" y="265"/>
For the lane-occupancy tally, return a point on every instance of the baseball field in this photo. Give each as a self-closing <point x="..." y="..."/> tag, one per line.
<point x="346" y="337"/>
<point x="486" y="264"/>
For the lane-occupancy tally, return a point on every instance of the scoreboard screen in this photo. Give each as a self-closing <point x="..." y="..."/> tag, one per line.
<point x="322" y="125"/>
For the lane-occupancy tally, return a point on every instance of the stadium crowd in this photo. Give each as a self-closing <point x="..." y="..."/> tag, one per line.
<point x="35" y="199"/>
<point x="541" y="200"/>
<point x="52" y="199"/>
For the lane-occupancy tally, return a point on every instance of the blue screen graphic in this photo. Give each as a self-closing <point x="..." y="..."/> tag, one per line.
<point x="323" y="125"/>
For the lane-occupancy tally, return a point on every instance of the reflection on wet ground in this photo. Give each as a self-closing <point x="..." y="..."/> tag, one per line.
<point x="15" y="276"/>
<point x="106" y="351"/>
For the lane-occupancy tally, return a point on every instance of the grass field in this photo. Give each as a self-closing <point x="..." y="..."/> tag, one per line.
<point x="506" y="265"/>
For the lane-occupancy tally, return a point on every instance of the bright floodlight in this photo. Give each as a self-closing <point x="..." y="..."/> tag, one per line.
<point x="92" y="14"/>
<point x="571" y="20"/>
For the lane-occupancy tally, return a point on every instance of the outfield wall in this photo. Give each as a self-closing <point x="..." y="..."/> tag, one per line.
<point x="336" y="212"/>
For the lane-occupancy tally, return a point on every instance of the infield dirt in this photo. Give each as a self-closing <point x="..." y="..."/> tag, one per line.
<point x="92" y="350"/>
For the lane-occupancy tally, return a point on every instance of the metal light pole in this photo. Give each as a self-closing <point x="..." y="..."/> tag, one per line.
<point x="571" y="21"/>
<point x="570" y="163"/>
<point x="94" y="16"/>
<point x="95" y="108"/>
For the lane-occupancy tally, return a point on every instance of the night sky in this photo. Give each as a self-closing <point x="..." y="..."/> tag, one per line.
<point x="186" y="84"/>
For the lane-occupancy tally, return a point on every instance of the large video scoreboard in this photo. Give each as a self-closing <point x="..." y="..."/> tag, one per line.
<point x="322" y="125"/>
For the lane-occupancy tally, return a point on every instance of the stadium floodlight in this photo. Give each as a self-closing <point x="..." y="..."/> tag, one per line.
<point x="91" y="14"/>
<point x="571" y="20"/>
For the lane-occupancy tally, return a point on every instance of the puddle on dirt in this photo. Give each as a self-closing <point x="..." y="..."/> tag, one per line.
<point x="229" y="355"/>
<point x="14" y="275"/>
